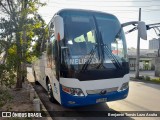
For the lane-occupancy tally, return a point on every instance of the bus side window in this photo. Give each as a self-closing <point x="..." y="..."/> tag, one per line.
<point x="53" y="57"/>
<point x="53" y="50"/>
<point x="49" y="54"/>
<point x="53" y="46"/>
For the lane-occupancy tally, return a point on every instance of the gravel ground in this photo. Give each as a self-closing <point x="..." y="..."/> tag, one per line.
<point x="21" y="103"/>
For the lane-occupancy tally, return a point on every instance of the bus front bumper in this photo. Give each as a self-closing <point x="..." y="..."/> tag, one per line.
<point x="68" y="100"/>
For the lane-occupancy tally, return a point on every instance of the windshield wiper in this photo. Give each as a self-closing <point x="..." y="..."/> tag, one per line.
<point x="109" y="52"/>
<point x="113" y="58"/>
<point x="91" y="55"/>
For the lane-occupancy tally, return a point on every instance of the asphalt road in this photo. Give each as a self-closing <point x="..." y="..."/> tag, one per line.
<point x="142" y="97"/>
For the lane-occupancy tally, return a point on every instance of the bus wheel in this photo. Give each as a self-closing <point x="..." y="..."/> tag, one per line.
<point x="35" y="79"/>
<point x="50" y="92"/>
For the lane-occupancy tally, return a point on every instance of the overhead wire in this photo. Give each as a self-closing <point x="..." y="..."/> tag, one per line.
<point x="113" y="1"/>
<point x="60" y="3"/>
<point x="146" y="8"/>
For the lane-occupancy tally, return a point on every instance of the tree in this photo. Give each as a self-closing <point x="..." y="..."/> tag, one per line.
<point x="17" y="30"/>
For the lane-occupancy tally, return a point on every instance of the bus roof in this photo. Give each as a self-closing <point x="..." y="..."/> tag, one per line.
<point x="65" y="11"/>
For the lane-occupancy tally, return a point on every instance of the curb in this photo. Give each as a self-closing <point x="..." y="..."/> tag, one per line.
<point x="29" y="86"/>
<point x="43" y="108"/>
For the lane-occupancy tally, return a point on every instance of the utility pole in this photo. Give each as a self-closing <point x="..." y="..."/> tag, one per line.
<point x="138" y="50"/>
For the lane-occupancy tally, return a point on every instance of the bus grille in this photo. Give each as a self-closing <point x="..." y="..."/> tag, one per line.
<point x="98" y="91"/>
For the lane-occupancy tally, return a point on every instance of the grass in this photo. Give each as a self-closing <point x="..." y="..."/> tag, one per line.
<point x="156" y="80"/>
<point x="147" y="79"/>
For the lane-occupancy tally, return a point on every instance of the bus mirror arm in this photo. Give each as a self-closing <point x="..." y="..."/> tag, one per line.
<point x="141" y="26"/>
<point x="129" y="23"/>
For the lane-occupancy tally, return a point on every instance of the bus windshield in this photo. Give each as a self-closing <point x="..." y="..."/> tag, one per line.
<point x="86" y="35"/>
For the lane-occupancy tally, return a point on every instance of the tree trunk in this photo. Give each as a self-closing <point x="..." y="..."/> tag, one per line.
<point x="24" y="67"/>
<point x="19" y="76"/>
<point x="24" y="43"/>
<point x="19" y="65"/>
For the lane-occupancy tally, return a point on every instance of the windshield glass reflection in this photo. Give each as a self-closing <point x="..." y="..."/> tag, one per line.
<point x="82" y="35"/>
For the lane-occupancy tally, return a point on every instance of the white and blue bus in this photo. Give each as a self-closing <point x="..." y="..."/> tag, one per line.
<point x="85" y="61"/>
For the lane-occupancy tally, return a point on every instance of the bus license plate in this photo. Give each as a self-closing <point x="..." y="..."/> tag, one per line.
<point x="101" y="100"/>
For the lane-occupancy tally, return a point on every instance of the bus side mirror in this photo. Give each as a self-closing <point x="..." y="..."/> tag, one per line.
<point x="59" y="27"/>
<point x="142" y="30"/>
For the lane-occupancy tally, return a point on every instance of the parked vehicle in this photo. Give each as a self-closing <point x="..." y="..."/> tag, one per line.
<point x="85" y="61"/>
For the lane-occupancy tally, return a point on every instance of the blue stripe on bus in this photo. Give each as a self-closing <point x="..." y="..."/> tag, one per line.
<point x="90" y="99"/>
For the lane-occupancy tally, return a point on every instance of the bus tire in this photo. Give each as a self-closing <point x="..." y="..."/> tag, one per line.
<point x="35" y="79"/>
<point x="50" y="92"/>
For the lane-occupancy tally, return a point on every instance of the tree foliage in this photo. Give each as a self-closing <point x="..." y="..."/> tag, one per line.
<point x="18" y="26"/>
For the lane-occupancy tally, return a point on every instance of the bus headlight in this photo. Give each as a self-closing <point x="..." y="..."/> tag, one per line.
<point x="124" y="86"/>
<point x="73" y="91"/>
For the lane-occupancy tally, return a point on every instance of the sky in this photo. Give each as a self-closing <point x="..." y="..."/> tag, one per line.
<point x="125" y="10"/>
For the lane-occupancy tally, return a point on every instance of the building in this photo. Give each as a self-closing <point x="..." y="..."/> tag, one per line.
<point x="154" y="44"/>
<point x="147" y="59"/>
